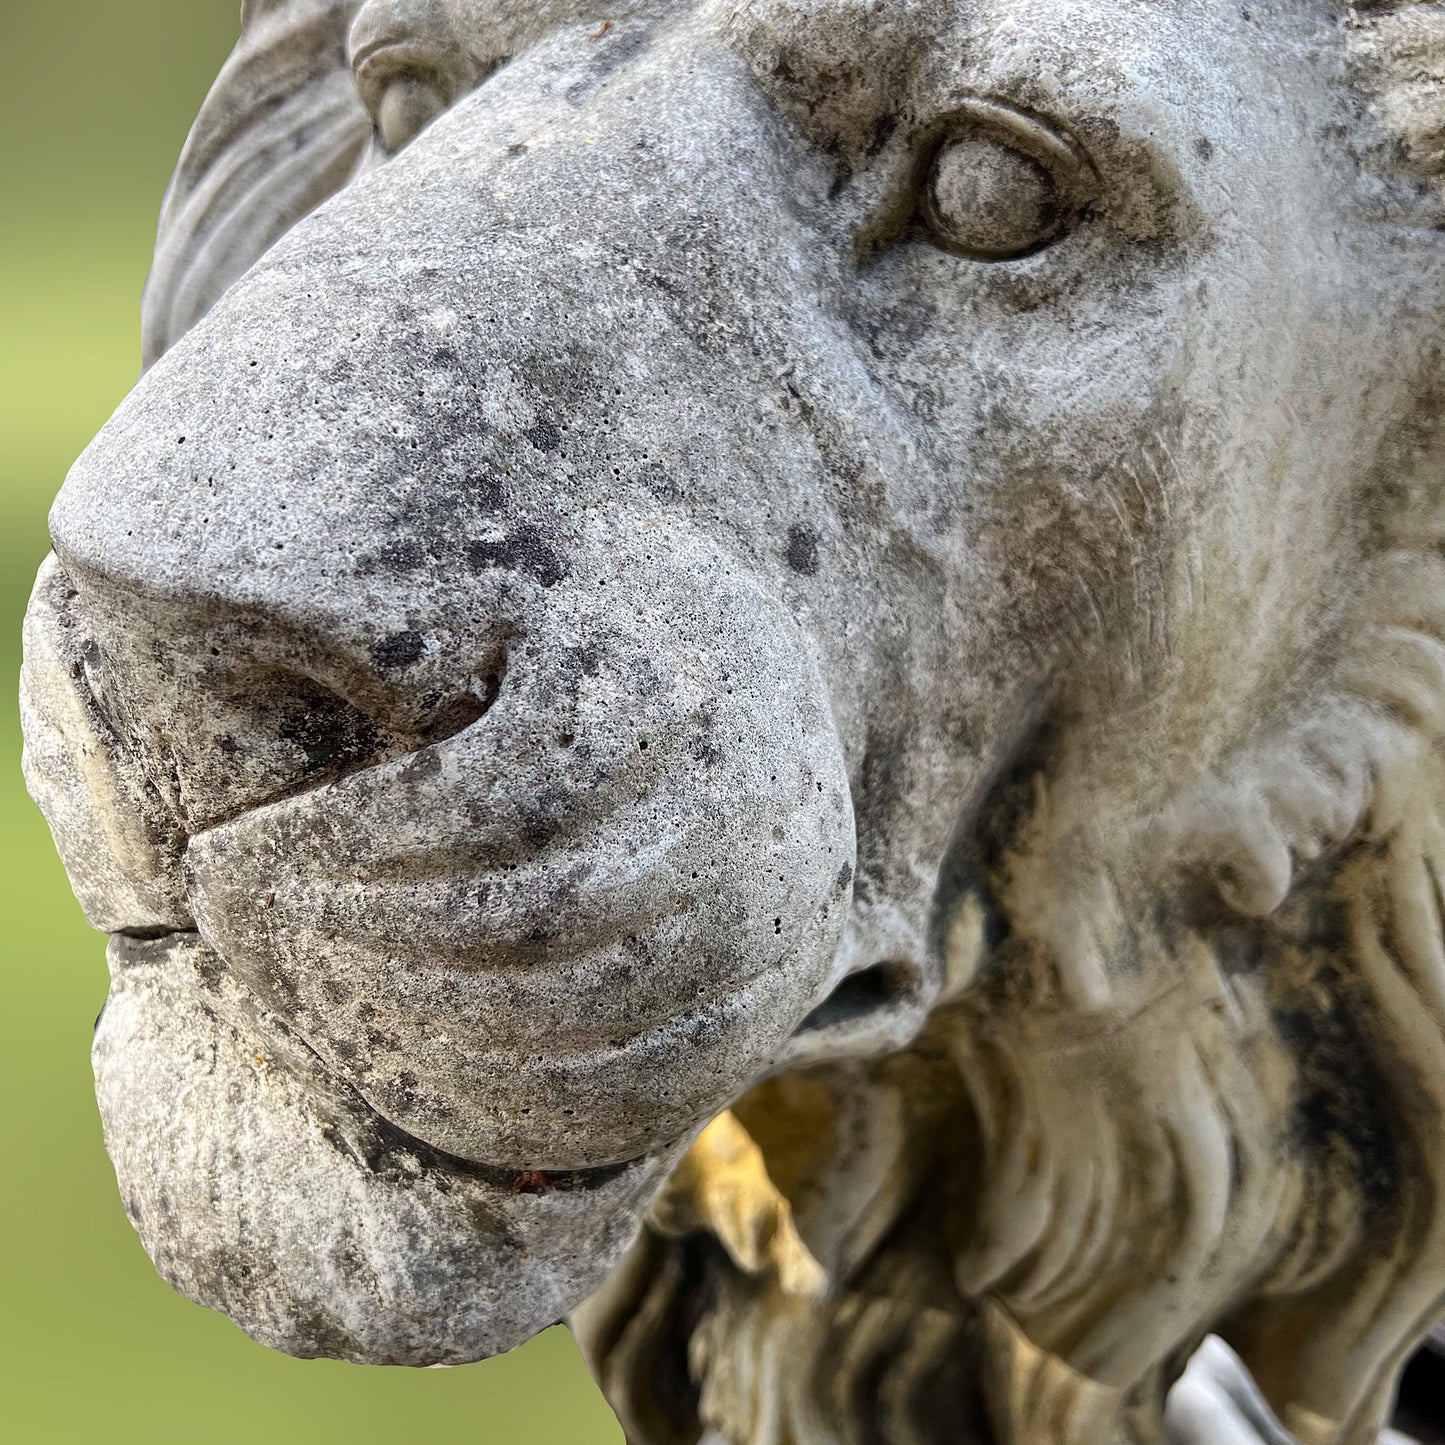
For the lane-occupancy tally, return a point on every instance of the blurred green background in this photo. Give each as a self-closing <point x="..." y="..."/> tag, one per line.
<point x="95" y="100"/>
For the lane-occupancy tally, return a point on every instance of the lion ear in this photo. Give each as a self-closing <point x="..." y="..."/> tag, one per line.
<point x="281" y="130"/>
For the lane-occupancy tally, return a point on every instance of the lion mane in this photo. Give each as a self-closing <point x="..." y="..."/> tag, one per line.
<point x="1033" y="1216"/>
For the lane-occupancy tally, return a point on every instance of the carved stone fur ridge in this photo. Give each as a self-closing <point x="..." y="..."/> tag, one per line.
<point x="771" y="674"/>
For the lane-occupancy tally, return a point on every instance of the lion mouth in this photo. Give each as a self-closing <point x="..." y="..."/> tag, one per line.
<point x="151" y="933"/>
<point x="145" y="946"/>
<point x="265" y="1187"/>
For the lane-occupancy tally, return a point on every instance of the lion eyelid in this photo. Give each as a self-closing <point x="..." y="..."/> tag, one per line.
<point x="1048" y="144"/>
<point x="1044" y="141"/>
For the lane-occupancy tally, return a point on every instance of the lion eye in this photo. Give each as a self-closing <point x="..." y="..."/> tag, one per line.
<point x="986" y="199"/>
<point x="1001" y="187"/>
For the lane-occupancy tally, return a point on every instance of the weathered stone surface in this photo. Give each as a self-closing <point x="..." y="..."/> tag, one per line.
<point x="264" y="1187"/>
<point x="879" y="568"/>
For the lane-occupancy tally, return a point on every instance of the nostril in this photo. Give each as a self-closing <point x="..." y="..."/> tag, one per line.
<point x="214" y="740"/>
<point x="283" y="734"/>
<point x="221" y="709"/>
<point x="456" y="714"/>
<point x="225" y="740"/>
<point x="330" y="734"/>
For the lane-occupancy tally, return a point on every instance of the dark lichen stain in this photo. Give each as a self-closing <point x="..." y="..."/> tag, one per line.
<point x="545" y="814"/>
<point x="328" y="732"/>
<point x="400" y="650"/>
<point x="621" y="47"/>
<point x="979" y="861"/>
<point x="882" y="133"/>
<point x="1337" y="1111"/>
<point x="397" y="558"/>
<point x="522" y="550"/>
<point x="338" y="373"/>
<point x="803" y="551"/>
<point x="209" y="969"/>
<point x="703" y="750"/>
<point x="426" y="763"/>
<point x="584" y="661"/>
<point x="544" y="436"/>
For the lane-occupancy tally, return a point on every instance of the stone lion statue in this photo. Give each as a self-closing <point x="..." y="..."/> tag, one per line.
<point x="770" y="674"/>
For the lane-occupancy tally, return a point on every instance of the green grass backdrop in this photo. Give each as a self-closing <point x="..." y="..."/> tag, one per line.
<point x="95" y="99"/>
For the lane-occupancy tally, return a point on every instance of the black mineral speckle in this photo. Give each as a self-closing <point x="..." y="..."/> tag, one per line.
<point x="803" y="550"/>
<point x="398" y="651"/>
<point x="544" y="436"/>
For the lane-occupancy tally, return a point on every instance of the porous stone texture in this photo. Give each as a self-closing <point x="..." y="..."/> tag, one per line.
<point x="770" y="672"/>
<point x="265" y="1189"/>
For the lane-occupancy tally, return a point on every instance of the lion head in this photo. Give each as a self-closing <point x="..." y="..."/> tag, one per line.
<point x="878" y="565"/>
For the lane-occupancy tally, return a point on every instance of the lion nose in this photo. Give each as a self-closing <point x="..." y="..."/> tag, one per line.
<point x="532" y="821"/>
<point x="282" y="577"/>
<point x="566" y="932"/>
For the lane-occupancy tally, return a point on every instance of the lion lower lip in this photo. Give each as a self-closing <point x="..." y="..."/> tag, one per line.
<point x="389" y="1141"/>
<point x="396" y="1140"/>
